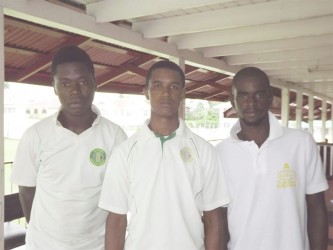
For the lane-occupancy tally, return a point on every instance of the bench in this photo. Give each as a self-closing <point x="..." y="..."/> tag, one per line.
<point x="14" y="234"/>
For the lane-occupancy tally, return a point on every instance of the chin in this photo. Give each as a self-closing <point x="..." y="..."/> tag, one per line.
<point x="252" y="121"/>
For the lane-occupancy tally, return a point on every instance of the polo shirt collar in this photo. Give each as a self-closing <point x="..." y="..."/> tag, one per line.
<point x="275" y="129"/>
<point x="146" y="132"/>
<point x="93" y="108"/>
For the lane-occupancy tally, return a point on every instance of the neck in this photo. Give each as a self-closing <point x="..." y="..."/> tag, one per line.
<point x="77" y="124"/>
<point x="258" y="134"/>
<point x="163" y="126"/>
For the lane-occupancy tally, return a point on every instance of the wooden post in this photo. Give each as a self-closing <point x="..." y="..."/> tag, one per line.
<point x="285" y="106"/>
<point x="323" y="120"/>
<point x="310" y="113"/>
<point x="299" y="109"/>
<point x="181" y="63"/>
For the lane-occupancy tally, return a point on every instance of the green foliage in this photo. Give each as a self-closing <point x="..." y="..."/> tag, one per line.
<point x="202" y="114"/>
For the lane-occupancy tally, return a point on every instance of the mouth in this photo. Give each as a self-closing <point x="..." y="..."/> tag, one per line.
<point x="165" y="103"/>
<point x="250" y="112"/>
<point x="74" y="105"/>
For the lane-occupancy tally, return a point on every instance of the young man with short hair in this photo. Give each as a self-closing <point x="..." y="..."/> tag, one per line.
<point x="274" y="175"/>
<point x="165" y="177"/>
<point x="61" y="160"/>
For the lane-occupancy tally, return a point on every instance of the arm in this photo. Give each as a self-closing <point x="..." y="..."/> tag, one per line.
<point x="26" y="195"/>
<point x="115" y="231"/>
<point x="213" y="225"/>
<point x="225" y="230"/>
<point x="317" y="221"/>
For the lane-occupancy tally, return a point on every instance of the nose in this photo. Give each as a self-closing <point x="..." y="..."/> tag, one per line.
<point x="166" y="91"/>
<point x="74" y="88"/>
<point x="251" y="100"/>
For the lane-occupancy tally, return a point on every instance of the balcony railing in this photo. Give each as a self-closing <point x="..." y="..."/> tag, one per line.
<point x="326" y="153"/>
<point x="9" y="187"/>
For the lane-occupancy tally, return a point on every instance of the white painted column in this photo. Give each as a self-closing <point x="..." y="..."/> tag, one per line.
<point x="181" y="63"/>
<point x="310" y="113"/>
<point x="330" y="139"/>
<point x="285" y="106"/>
<point x="2" y="79"/>
<point x="323" y="119"/>
<point x="299" y="109"/>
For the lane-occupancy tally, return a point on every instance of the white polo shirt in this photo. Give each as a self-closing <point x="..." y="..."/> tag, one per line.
<point x="165" y="189"/>
<point x="267" y="188"/>
<point x="67" y="170"/>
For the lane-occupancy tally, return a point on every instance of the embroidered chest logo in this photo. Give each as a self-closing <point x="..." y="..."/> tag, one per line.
<point x="187" y="155"/>
<point x="97" y="157"/>
<point x="286" y="178"/>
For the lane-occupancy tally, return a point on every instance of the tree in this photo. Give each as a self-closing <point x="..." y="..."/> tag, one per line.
<point x="202" y="114"/>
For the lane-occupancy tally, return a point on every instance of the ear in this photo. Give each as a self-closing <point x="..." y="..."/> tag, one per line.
<point x="271" y="96"/>
<point x="183" y="94"/>
<point x="231" y="99"/>
<point x="145" y="92"/>
<point x="93" y="80"/>
<point x="54" y="88"/>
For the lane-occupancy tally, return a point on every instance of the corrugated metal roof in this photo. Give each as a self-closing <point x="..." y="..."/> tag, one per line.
<point x="29" y="48"/>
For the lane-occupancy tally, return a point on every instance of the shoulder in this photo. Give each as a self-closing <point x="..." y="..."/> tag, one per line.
<point x="46" y="125"/>
<point x="297" y="134"/>
<point x="203" y="147"/>
<point x="225" y="143"/>
<point x="108" y="124"/>
<point x="128" y="144"/>
<point x="38" y="131"/>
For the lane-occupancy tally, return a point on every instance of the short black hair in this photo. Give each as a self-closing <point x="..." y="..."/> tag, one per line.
<point x="71" y="53"/>
<point x="165" y="65"/>
<point x="251" y="72"/>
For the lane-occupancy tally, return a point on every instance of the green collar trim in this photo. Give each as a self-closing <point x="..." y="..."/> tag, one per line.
<point x="165" y="138"/>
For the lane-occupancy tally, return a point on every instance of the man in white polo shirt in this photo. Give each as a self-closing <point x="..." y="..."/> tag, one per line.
<point x="60" y="162"/>
<point x="274" y="175"/>
<point x="167" y="178"/>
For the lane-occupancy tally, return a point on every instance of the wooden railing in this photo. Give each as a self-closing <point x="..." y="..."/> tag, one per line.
<point x="326" y="153"/>
<point x="14" y="232"/>
<point x="9" y="187"/>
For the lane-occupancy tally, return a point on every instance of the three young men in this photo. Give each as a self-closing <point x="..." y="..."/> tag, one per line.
<point x="167" y="178"/>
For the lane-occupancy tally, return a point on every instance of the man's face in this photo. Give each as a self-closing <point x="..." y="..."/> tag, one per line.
<point x="75" y="87"/>
<point x="251" y="98"/>
<point x="165" y="92"/>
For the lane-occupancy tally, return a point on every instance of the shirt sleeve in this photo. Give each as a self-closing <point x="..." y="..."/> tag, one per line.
<point x="115" y="188"/>
<point x="25" y="165"/>
<point x="315" y="179"/>
<point x="215" y="192"/>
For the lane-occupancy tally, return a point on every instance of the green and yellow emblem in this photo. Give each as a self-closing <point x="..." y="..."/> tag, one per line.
<point x="186" y="155"/>
<point x="98" y="157"/>
<point x="286" y="177"/>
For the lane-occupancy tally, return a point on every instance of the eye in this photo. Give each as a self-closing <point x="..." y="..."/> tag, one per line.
<point x="260" y="95"/>
<point x="242" y="96"/>
<point x="175" y="87"/>
<point x="156" y="86"/>
<point x="84" y="83"/>
<point x="64" y="84"/>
